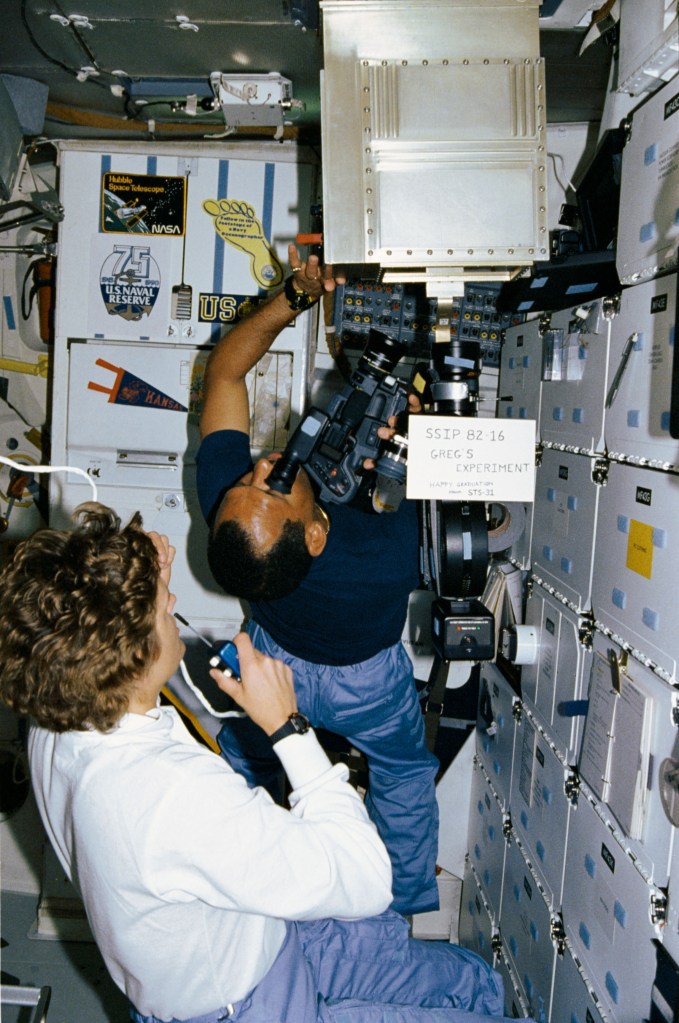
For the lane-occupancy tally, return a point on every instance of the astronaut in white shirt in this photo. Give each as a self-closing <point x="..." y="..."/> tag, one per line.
<point x="207" y="900"/>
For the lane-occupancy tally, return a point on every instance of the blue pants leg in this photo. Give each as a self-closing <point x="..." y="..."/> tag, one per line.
<point x="374" y="704"/>
<point x="374" y="960"/>
<point x="247" y="748"/>
<point x="370" y="971"/>
<point x="365" y="971"/>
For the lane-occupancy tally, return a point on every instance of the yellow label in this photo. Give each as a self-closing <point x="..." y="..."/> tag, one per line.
<point x="640" y="548"/>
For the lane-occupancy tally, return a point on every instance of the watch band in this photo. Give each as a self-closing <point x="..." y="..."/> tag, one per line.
<point x="297" y="300"/>
<point x="297" y="724"/>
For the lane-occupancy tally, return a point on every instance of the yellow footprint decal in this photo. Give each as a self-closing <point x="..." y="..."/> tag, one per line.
<point x="235" y="221"/>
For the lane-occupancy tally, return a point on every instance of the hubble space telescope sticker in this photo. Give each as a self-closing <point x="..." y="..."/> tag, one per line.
<point x="129" y="389"/>
<point x="458" y="458"/>
<point x="130" y="281"/>
<point x="142" y="204"/>
<point x="237" y="224"/>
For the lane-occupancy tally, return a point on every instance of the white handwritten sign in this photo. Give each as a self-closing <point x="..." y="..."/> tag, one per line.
<point x="455" y="458"/>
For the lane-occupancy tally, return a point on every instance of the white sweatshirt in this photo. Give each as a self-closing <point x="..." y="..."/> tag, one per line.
<point x="185" y="872"/>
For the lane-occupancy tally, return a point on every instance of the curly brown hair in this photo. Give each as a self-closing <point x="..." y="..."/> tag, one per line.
<point x="77" y="620"/>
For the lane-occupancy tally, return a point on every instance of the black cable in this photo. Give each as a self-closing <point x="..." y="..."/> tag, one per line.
<point x="54" y="60"/>
<point x="26" y="308"/>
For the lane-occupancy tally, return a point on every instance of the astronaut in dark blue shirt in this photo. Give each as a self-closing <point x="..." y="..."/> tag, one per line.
<point x="328" y="589"/>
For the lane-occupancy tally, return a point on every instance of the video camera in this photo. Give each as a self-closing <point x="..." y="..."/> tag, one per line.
<point x="448" y="385"/>
<point x="333" y="445"/>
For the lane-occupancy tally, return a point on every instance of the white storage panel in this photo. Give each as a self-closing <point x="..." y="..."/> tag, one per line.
<point x="555" y="686"/>
<point x="648" y="230"/>
<point x="608" y="913"/>
<point x="540" y="809"/>
<point x="637" y="545"/>
<point x="496" y="728"/>
<point x="629" y="744"/>
<point x="575" y="364"/>
<point x="564" y="524"/>
<point x="526" y="927"/>
<point x="486" y="838"/>
<point x="637" y="418"/>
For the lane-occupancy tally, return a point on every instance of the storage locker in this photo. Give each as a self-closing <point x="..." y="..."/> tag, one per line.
<point x="634" y="589"/>
<point x="648" y="230"/>
<point x="541" y="809"/>
<point x="564" y="523"/>
<point x="575" y="365"/>
<point x="476" y="929"/>
<point x="555" y="685"/>
<point x="526" y="928"/>
<point x="573" y="1000"/>
<point x="631" y="736"/>
<point x="611" y="916"/>
<point x="495" y="728"/>
<point x="486" y="838"/>
<point x="637" y="417"/>
<point x="520" y="385"/>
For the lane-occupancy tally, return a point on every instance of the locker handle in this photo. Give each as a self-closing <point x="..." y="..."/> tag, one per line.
<point x="148" y="459"/>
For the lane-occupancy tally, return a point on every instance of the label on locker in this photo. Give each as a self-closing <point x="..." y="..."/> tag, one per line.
<point x="617" y="744"/>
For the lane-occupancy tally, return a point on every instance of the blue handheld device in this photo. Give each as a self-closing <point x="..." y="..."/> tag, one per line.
<point x="225" y="657"/>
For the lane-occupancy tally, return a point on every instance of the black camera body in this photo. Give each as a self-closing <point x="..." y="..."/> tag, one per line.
<point x="333" y="444"/>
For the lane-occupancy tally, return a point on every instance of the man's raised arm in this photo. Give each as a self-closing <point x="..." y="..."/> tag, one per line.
<point x="225" y="401"/>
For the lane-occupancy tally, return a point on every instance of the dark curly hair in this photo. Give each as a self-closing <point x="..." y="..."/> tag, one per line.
<point x="241" y="570"/>
<point x="77" y="620"/>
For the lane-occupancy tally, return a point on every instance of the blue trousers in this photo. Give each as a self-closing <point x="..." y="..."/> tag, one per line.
<point x="375" y="705"/>
<point x="366" y="971"/>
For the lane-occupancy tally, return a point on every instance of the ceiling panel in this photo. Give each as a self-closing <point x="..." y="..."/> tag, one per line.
<point x="144" y="40"/>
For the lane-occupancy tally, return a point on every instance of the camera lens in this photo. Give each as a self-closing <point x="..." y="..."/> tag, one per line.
<point x="380" y="354"/>
<point x="455" y="383"/>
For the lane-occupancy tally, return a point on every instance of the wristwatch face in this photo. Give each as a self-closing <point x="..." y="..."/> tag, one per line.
<point x="296" y="723"/>
<point x="299" y="722"/>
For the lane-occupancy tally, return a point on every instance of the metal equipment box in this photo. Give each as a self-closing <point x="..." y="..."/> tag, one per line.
<point x="433" y="140"/>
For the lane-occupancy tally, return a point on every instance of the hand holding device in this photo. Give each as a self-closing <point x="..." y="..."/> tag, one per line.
<point x="266" y="690"/>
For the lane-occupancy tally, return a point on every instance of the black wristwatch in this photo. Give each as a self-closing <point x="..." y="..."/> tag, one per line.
<point x="296" y="724"/>
<point x="297" y="300"/>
